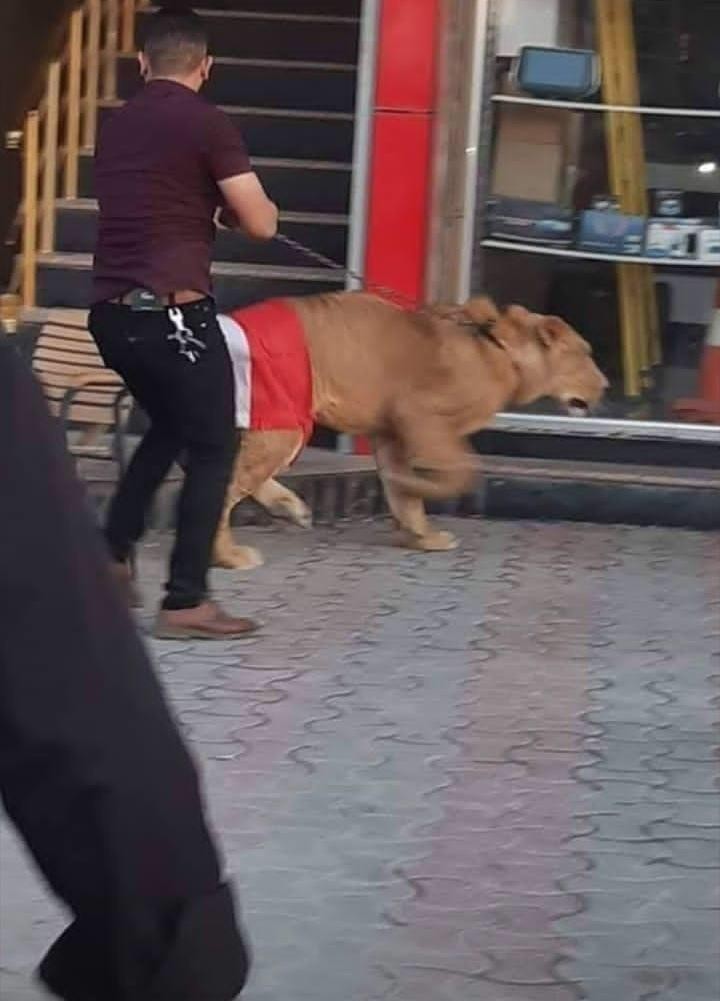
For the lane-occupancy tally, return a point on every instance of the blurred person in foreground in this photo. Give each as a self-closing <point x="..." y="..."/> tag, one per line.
<point x="165" y="162"/>
<point x="93" y="772"/>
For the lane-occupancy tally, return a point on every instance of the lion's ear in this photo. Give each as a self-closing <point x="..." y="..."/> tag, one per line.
<point x="549" y="330"/>
<point x="481" y="310"/>
<point x="518" y="314"/>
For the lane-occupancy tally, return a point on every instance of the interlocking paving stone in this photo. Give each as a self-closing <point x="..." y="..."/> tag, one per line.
<point x="488" y="775"/>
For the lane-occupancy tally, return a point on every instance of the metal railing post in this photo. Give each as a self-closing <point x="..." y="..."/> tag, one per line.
<point x="92" y="73"/>
<point x="110" y="49"/>
<point x="50" y="159"/>
<point x="31" y="157"/>
<point x="72" y="104"/>
<point x="364" y="108"/>
<point x="362" y="150"/>
<point x="128" y="25"/>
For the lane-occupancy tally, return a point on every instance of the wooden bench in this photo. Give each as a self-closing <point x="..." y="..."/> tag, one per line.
<point x="91" y="401"/>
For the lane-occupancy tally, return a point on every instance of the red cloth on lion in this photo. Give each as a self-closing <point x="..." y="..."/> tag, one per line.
<point x="271" y="362"/>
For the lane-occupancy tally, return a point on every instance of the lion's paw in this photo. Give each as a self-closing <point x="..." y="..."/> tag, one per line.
<point x="239" y="558"/>
<point x="294" y="510"/>
<point x="433" y="542"/>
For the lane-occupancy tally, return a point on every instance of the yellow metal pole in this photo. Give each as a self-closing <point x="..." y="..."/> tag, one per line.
<point x="31" y="157"/>
<point x="626" y="161"/>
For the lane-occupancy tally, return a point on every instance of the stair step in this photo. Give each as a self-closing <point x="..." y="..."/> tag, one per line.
<point x="296" y="185"/>
<point x="76" y="232"/>
<point x="287" y="133"/>
<point x="307" y="187"/>
<point x="65" y="280"/>
<point x="260" y="35"/>
<point x="305" y="86"/>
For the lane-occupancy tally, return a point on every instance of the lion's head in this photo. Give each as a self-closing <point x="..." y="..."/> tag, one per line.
<point x="550" y="358"/>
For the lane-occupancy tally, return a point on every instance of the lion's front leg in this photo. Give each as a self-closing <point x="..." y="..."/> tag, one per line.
<point x="437" y="462"/>
<point x="408" y="510"/>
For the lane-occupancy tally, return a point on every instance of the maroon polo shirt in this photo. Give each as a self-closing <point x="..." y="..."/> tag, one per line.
<point x="158" y="163"/>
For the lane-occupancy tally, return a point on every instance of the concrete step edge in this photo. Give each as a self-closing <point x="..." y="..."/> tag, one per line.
<point x="258" y="15"/>
<point x="271" y="112"/>
<point x="83" y="262"/>
<point x="291" y="64"/>
<point x="283" y="163"/>
<point x="310" y="218"/>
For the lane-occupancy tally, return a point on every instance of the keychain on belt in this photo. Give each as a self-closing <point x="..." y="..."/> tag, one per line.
<point x="188" y="344"/>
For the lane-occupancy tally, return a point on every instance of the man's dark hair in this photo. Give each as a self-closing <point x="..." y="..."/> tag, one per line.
<point x="175" y="41"/>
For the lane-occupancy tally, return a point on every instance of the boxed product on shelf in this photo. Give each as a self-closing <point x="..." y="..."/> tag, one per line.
<point x="604" y="231"/>
<point x="673" y="238"/>
<point x="530" y="157"/>
<point x="709" y="245"/>
<point x="668" y="203"/>
<point x="606" y="203"/>
<point x="526" y="221"/>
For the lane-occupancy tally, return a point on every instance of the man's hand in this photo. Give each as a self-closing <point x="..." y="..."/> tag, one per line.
<point x="225" y="218"/>
<point x="247" y="201"/>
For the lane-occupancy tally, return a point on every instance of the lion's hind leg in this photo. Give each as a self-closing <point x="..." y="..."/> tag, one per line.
<point x="262" y="454"/>
<point x="282" y="502"/>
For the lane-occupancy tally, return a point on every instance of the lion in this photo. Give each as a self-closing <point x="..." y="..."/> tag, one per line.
<point x="417" y="384"/>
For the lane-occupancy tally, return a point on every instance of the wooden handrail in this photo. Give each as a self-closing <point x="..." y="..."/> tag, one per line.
<point x="65" y="123"/>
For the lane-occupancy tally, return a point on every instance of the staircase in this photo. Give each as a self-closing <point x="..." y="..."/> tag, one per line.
<point x="286" y="73"/>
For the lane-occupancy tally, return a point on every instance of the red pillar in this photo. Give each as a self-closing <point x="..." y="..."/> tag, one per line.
<point x="401" y="159"/>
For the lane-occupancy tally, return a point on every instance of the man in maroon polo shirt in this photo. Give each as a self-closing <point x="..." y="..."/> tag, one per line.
<point x="164" y="163"/>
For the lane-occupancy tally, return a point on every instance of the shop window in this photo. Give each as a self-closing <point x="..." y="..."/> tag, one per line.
<point x="612" y="219"/>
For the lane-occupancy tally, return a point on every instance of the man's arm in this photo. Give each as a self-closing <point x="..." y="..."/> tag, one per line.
<point x="248" y="206"/>
<point x="251" y="208"/>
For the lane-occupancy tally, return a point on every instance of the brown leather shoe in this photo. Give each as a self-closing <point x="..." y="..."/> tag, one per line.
<point x="122" y="575"/>
<point x="204" y="622"/>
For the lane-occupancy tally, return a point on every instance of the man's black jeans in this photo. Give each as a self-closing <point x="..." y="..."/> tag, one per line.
<point x="191" y="409"/>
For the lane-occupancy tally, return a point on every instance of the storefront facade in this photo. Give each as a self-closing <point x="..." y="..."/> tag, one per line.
<point x="469" y="172"/>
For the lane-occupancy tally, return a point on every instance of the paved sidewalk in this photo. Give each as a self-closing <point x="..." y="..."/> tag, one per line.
<point x="490" y="775"/>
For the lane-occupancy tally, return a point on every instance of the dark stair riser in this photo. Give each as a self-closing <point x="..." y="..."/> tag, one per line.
<point x="295" y="138"/>
<point x="77" y="229"/>
<point x="302" y="190"/>
<point x="298" y="88"/>
<point x="279" y="38"/>
<point x="290" y="136"/>
<point x="295" y="188"/>
<point x="71" y="288"/>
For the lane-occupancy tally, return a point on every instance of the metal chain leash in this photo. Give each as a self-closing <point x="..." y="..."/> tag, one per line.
<point x="328" y="262"/>
<point x="382" y="290"/>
